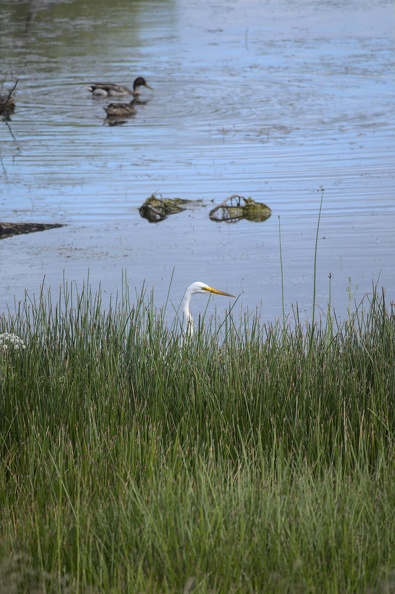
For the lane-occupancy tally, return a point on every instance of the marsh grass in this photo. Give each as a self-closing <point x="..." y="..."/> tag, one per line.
<point x="255" y="458"/>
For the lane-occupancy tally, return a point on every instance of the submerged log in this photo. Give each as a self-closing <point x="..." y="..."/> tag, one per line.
<point x="235" y="208"/>
<point x="10" y="229"/>
<point x="157" y="209"/>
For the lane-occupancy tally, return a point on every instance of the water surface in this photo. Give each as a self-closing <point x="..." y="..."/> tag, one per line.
<point x="270" y="100"/>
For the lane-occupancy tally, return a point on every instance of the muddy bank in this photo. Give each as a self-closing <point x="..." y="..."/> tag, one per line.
<point x="10" y="229"/>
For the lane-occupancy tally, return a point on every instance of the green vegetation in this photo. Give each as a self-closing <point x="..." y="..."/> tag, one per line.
<point x="256" y="458"/>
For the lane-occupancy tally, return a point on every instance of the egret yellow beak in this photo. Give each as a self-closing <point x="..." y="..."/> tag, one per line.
<point x="217" y="292"/>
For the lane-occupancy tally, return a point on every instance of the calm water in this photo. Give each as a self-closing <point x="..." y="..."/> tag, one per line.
<point x="265" y="99"/>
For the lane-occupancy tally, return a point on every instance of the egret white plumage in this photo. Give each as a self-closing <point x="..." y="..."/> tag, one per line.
<point x="197" y="287"/>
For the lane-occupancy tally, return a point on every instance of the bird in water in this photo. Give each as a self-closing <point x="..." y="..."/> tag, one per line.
<point x="7" y="104"/>
<point x="197" y="287"/>
<point x="120" y="109"/>
<point x="112" y="90"/>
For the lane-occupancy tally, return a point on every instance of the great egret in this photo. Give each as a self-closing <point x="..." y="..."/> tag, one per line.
<point x="111" y="90"/>
<point x="197" y="287"/>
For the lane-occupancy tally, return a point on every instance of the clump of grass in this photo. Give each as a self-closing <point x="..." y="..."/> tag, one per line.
<point x="253" y="458"/>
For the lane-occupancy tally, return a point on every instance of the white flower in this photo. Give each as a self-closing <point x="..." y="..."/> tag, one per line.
<point x="8" y="341"/>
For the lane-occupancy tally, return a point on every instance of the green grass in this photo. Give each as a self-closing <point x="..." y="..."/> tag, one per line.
<point x="256" y="458"/>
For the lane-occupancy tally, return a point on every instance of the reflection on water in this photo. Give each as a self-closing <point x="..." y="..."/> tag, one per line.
<point x="269" y="100"/>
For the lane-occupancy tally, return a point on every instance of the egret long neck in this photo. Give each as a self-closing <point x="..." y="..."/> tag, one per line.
<point x="187" y="316"/>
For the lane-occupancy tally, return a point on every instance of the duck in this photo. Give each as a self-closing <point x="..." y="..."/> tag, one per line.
<point x="120" y="109"/>
<point x="7" y="104"/>
<point x="112" y="90"/>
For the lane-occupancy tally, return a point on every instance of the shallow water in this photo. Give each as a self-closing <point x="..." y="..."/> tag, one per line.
<point x="269" y="100"/>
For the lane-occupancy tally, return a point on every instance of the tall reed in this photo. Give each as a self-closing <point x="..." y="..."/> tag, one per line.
<point x="251" y="459"/>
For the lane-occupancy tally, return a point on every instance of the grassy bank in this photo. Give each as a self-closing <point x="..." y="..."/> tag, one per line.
<point x="258" y="461"/>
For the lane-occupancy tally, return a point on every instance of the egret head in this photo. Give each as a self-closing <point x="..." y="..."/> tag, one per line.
<point x="197" y="287"/>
